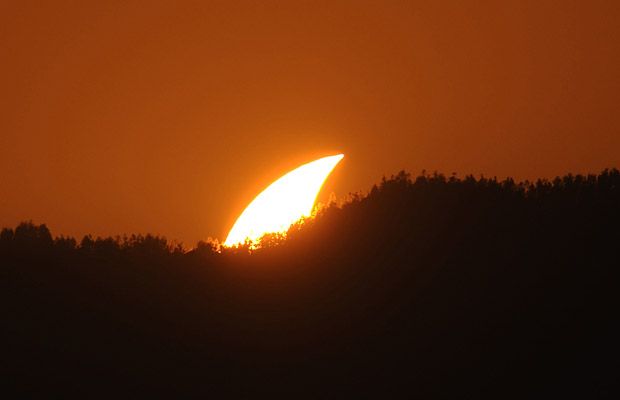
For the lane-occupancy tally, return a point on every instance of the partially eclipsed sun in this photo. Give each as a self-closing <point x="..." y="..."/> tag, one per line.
<point x="283" y="203"/>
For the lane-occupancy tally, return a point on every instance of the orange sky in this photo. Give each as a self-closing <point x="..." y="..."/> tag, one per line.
<point x="168" y="117"/>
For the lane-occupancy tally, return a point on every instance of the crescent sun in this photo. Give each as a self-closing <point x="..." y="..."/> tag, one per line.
<point x="283" y="203"/>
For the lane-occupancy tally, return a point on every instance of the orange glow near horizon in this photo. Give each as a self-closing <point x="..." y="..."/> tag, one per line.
<point x="283" y="203"/>
<point x="121" y="117"/>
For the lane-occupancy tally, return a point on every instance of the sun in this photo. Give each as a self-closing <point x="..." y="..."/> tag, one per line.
<point x="283" y="203"/>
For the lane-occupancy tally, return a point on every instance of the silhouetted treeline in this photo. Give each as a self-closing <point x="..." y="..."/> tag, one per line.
<point x="428" y="287"/>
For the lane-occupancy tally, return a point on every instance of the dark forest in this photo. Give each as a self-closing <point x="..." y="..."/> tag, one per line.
<point x="424" y="287"/>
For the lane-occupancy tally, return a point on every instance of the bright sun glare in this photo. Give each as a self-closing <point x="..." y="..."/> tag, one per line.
<point x="283" y="203"/>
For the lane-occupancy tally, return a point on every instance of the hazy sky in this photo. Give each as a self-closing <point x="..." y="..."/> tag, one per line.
<point x="168" y="117"/>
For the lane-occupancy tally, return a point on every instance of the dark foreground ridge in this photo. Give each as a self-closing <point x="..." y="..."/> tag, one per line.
<point x="424" y="288"/>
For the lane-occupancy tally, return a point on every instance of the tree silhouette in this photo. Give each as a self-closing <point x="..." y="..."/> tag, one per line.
<point x="430" y="286"/>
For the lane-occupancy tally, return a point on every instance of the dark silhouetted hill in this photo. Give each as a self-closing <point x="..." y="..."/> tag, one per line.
<point x="433" y="287"/>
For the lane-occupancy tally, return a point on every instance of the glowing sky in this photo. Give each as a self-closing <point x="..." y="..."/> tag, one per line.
<point x="169" y="117"/>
